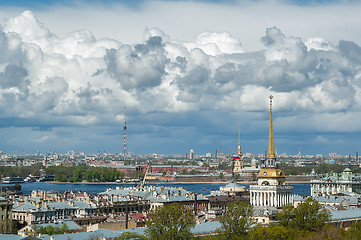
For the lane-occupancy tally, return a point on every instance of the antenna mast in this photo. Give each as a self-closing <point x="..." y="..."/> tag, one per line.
<point x="125" y="133"/>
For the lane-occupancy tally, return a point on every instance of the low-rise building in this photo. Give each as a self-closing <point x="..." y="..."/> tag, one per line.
<point x="345" y="218"/>
<point x="36" y="211"/>
<point x="334" y="183"/>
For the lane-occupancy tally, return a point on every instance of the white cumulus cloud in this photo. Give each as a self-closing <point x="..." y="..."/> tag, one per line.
<point x="80" y="80"/>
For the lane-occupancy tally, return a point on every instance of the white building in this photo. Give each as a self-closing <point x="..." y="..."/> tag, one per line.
<point x="191" y="154"/>
<point x="271" y="189"/>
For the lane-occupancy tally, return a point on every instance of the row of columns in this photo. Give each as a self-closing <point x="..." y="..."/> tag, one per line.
<point x="274" y="199"/>
<point x="329" y="189"/>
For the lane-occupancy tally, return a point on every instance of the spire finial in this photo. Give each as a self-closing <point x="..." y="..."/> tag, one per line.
<point x="271" y="148"/>
<point x="239" y="150"/>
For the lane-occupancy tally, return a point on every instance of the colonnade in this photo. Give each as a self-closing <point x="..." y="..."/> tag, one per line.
<point x="267" y="198"/>
<point x="329" y="189"/>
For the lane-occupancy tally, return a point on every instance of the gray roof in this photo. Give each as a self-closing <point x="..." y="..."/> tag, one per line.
<point x="336" y="199"/>
<point x="69" y="223"/>
<point x="118" y="191"/>
<point x="15" y="237"/>
<point x="25" y="207"/>
<point x="87" y="235"/>
<point x="155" y="194"/>
<point x="346" y="214"/>
<point x="28" y="206"/>
<point x="207" y="227"/>
<point x="330" y="199"/>
<point x="233" y="184"/>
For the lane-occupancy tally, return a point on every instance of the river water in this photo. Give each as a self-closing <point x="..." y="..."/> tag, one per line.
<point x="26" y="188"/>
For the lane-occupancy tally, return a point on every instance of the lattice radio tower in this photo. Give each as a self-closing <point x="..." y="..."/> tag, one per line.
<point x="125" y="133"/>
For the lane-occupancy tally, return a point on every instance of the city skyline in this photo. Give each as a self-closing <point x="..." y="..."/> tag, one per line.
<point x="69" y="68"/>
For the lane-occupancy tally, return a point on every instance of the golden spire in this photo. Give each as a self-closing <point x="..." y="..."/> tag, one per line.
<point x="271" y="146"/>
<point x="239" y="151"/>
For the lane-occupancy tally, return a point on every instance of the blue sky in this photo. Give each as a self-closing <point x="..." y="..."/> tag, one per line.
<point x="187" y="71"/>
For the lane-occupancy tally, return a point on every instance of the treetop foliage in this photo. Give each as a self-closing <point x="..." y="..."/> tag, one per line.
<point x="308" y="216"/>
<point x="81" y="173"/>
<point x="170" y="222"/>
<point x="237" y="220"/>
<point x="50" y="230"/>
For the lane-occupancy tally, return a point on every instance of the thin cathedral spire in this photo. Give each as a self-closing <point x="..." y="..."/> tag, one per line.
<point x="271" y="156"/>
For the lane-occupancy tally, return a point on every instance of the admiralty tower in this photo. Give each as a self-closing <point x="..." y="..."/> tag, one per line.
<point x="271" y="189"/>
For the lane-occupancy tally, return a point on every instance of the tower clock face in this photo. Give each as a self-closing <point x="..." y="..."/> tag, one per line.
<point x="264" y="173"/>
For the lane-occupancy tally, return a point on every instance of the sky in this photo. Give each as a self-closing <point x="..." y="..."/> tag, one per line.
<point x="187" y="73"/>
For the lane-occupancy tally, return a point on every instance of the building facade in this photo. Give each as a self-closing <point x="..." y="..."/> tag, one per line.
<point x="335" y="183"/>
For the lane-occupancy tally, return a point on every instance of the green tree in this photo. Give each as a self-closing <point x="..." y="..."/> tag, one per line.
<point x="329" y="233"/>
<point x="272" y="233"/>
<point x="132" y="236"/>
<point x="61" y="177"/>
<point x="77" y="175"/>
<point x="254" y="177"/>
<point x="237" y="220"/>
<point x="221" y="176"/>
<point x="354" y="232"/>
<point x="285" y="215"/>
<point x="50" y="230"/>
<point x="170" y="222"/>
<point x="64" y="229"/>
<point x="308" y="216"/>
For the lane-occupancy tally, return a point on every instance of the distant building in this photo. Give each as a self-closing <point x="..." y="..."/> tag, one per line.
<point x="330" y="184"/>
<point x="191" y="154"/>
<point x="253" y="169"/>
<point x="153" y="197"/>
<point x="231" y="189"/>
<point x="331" y="161"/>
<point x="40" y="209"/>
<point x="5" y="215"/>
<point x="334" y="155"/>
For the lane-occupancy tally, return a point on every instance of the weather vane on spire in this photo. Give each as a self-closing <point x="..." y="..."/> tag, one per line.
<point x="270" y="103"/>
